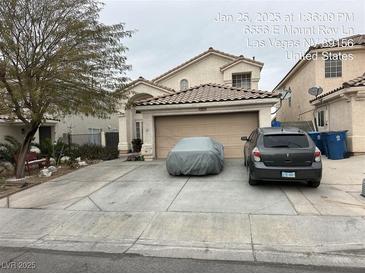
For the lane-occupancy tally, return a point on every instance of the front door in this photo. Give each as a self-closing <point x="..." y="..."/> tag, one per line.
<point x="45" y="132"/>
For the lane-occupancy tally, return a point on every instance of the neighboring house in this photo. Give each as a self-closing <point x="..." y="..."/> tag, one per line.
<point x="343" y="109"/>
<point x="214" y="94"/>
<point x="86" y="129"/>
<point x="16" y="129"/>
<point x="330" y="75"/>
<point x="83" y="129"/>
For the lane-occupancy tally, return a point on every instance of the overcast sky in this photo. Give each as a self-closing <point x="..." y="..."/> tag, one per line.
<point x="170" y="32"/>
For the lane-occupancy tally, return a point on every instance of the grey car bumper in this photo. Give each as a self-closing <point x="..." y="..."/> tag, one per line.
<point x="259" y="171"/>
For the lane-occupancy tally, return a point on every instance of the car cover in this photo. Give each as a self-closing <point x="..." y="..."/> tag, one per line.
<point x="195" y="156"/>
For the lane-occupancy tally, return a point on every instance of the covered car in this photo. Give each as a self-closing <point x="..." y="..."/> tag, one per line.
<point x="195" y="156"/>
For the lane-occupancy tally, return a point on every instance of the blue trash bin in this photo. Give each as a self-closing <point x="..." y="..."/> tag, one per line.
<point x="336" y="144"/>
<point x="275" y="124"/>
<point x="317" y="139"/>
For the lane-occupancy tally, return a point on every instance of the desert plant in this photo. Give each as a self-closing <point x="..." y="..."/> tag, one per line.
<point x="9" y="149"/>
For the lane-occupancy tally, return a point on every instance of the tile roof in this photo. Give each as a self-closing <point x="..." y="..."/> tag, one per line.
<point x="210" y="50"/>
<point x="356" y="82"/>
<point x="12" y="118"/>
<point x="141" y="79"/>
<point x="207" y="93"/>
<point x="239" y="59"/>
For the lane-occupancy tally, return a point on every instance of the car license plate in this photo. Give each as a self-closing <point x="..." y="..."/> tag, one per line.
<point x="287" y="174"/>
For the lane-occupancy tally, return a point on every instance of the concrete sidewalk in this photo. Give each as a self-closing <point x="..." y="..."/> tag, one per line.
<point x="314" y="240"/>
<point x="137" y="208"/>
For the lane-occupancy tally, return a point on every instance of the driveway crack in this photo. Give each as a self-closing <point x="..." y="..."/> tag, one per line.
<point x="290" y="201"/>
<point x="112" y="181"/>
<point x="144" y="229"/>
<point x="98" y="207"/>
<point x="178" y="194"/>
<point x="252" y="244"/>
<point x="310" y="202"/>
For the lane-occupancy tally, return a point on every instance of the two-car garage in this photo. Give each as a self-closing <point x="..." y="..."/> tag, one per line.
<point x="226" y="128"/>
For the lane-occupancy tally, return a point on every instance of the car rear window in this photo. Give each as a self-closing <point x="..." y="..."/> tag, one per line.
<point x="286" y="140"/>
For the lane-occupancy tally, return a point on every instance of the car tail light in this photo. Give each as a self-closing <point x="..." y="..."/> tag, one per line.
<point x="317" y="155"/>
<point x="256" y="154"/>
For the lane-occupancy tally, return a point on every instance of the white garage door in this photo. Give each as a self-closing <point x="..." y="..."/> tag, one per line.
<point x="225" y="128"/>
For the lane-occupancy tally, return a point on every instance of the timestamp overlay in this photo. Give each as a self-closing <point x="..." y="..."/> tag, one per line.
<point x="291" y="33"/>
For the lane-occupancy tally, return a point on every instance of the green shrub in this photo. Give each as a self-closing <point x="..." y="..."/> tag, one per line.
<point x="94" y="152"/>
<point x="110" y="153"/>
<point x="137" y="145"/>
<point x="63" y="149"/>
<point x="46" y="148"/>
<point x="135" y="158"/>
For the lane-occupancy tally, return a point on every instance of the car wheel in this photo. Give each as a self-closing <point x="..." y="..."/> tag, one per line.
<point x="314" y="184"/>
<point x="251" y="181"/>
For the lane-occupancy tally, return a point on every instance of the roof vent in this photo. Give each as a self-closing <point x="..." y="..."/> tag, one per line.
<point x="210" y="48"/>
<point x="253" y="58"/>
<point x="140" y="78"/>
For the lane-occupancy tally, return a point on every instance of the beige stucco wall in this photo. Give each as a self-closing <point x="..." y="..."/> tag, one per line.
<point x="300" y="108"/>
<point x="11" y="130"/>
<point x="345" y="111"/>
<point x="349" y="115"/>
<point x="340" y="116"/>
<point x="15" y="130"/>
<point x="127" y="117"/>
<point x="358" y="125"/>
<point x="350" y="70"/>
<point x="80" y="124"/>
<point x="312" y="73"/>
<point x="243" y="67"/>
<point x="204" y="71"/>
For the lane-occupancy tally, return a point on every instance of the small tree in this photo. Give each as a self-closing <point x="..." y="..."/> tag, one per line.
<point x="56" y="59"/>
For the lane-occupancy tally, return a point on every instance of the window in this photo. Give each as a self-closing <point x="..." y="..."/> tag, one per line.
<point x="332" y="68"/>
<point x="320" y="119"/>
<point x="241" y="80"/>
<point x="184" y="84"/>
<point x="94" y="136"/>
<point x="139" y="130"/>
<point x="286" y="140"/>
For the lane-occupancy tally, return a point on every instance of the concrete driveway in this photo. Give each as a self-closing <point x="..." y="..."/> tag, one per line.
<point x="137" y="207"/>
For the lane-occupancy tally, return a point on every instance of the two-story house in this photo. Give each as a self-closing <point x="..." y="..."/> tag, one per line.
<point x="214" y="94"/>
<point x="337" y="67"/>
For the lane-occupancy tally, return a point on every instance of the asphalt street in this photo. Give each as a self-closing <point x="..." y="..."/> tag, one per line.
<point x="35" y="260"/>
